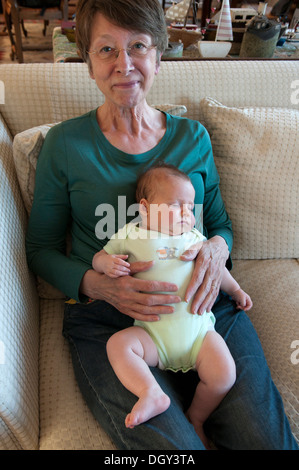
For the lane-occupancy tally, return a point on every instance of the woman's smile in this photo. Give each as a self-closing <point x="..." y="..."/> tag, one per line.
<point x="126" y="85"/>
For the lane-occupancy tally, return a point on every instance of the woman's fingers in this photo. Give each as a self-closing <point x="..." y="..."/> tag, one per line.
<point x="141" y="299"/>
<point x="207" y="275"/>
<point x="192" y="252"/>
<point x="140" y="266"/>
<point x="207" y="293"/>
<point x="198" y="275"/>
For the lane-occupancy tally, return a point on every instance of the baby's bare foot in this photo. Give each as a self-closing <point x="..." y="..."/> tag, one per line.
<point x="150" y="404"/>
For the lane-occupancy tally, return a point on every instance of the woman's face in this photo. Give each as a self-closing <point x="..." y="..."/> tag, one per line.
<point x="125" y="81"/>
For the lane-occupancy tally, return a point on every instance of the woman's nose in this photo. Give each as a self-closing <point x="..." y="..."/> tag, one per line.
<point x="123" y="62"/>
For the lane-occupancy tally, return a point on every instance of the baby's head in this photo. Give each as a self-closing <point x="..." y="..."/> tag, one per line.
<point x="166" y="200"/>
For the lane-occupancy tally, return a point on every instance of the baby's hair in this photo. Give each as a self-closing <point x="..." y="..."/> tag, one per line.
<point x="146" y="181"/>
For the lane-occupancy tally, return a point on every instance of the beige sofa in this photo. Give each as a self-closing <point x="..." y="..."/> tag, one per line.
<point x="253" y="118"/>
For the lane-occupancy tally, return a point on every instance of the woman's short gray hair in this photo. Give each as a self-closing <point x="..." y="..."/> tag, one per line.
<point x="145" y="16"/>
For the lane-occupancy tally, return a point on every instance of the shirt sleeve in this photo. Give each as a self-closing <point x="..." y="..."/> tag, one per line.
<point x="215" y="217"/>
<point x="50" y="219"/>
<point x="216" y="220"/>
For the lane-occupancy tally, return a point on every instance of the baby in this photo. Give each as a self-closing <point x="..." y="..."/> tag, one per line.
<point x="180" y="340"/>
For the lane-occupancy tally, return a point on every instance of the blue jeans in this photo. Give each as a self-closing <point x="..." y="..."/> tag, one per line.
<point x="251" y="416"/>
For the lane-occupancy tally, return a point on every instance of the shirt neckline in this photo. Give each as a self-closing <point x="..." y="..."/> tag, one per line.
<point x="127" y="157"/>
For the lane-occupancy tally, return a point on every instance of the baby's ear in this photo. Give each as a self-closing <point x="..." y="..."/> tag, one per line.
<point x="143" y="207"/>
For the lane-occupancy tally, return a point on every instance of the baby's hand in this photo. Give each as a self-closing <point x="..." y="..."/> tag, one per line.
<point x="115" y="265"/>
<point x="242" y="300"/>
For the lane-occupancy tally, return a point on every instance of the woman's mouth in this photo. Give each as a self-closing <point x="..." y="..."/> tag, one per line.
<point x="126" y="85"/>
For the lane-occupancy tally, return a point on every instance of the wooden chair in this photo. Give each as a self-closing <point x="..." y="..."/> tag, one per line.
<point x="179" y="12"/>
<point x="15" y="15"/>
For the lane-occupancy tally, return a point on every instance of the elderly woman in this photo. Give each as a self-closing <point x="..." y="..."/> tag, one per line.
<point x="88" y="162"/>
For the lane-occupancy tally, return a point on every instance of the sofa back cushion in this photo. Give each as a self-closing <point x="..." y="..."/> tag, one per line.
<point x="256" y="152"/>
<point x="36" y="94"/>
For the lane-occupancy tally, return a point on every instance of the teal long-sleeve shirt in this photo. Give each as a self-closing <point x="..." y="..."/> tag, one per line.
<point x="86" y="186"/>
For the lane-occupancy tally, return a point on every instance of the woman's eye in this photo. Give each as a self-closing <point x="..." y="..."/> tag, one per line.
<point x="138" y="45"/>
<point x="106" y="50"/>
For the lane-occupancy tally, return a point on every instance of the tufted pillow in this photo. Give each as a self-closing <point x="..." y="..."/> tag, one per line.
<point x="256" y="152"/>
<point x="174" y="109"/>
<point x="26" y="148"/>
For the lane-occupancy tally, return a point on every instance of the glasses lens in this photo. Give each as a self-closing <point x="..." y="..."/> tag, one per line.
<point x="108" y="54"/>
<point x="108" y="57"/>
<point x="139" y="49"/>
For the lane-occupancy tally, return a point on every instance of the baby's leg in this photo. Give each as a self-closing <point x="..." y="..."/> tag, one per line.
<point x="217" y="372"/>
<point x="131" y="352"/>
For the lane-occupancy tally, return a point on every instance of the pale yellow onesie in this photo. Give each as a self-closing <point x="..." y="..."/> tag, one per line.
<point x="178" y="336"/>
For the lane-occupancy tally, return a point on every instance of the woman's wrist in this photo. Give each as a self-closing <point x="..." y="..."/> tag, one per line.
<point x="221" y="245"/>
<point x="90" y="283"/>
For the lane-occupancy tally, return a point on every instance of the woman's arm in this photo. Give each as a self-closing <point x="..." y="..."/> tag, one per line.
<point x="49" y="221"/>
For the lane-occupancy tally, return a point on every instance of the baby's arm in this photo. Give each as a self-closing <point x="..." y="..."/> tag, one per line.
<point x="112" y="265"/>
<point x="232" y="288"/>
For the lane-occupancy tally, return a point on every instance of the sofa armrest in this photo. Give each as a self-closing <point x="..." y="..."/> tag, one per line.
<point x="19" y="309"/>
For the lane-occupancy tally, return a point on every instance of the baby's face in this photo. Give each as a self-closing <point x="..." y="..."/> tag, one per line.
<point x="170" y="210"/>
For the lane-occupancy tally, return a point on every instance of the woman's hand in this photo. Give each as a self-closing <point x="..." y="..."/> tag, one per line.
<point x="134" y="297"/>
<point x="206" y="279"/>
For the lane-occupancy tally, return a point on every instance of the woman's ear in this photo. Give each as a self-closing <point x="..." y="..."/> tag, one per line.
<point x="158" y="62"/>
<point x="90" y="71"/>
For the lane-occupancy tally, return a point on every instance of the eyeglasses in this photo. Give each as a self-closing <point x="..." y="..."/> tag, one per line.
<point x="110" y="54"/>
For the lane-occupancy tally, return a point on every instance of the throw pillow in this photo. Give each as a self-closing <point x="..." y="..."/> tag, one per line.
<point x="256" y="154"/>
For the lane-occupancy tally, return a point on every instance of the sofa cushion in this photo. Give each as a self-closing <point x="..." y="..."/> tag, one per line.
<point x="269" y="283"/>
<point x="256" y="154"/>
<point x="66" y="422"/>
